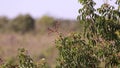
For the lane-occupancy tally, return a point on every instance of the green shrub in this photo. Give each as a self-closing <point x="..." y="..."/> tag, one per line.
<point x="75" y="53"/>
<point x="43" y="64"/>
<point x="11" y="63"/>
<point x="25" y="61"/>
<point x="99" y="45"/>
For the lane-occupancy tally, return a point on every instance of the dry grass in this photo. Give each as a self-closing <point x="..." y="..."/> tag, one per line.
<point x="36" y="45"/>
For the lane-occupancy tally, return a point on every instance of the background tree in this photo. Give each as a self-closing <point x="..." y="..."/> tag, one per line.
<point x="22" y="23"/>
<point x="3" y="23"/>
<point x="43" y="23"/>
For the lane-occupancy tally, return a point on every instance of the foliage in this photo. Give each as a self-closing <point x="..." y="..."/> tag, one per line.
<point x="25" y="23"/>
<point x="46" y="20"/>
<point x="9" y="64"/>
<point x="22" y="23"/>
<point x="74" y="53"/>
<point x="25" y="61"/>
<point x="43" y="64"/>
<point x="43" y="23"/>
<point x="99" y="45"/>
<point x="3" y="24"/>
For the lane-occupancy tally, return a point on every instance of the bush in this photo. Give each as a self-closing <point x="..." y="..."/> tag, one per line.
<point x="10" y="64"/>
<point x="99" y="45"/>
<point x="25" y="61"/>
<point x="75" y="53"/>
